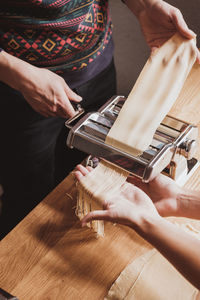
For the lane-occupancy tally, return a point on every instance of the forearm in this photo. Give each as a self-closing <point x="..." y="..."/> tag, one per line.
<point x="137" y="6"/>
<point x="13" y="70"/>
<point x="177" y="246"/>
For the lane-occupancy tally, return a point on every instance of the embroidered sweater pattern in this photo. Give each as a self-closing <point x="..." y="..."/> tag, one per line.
<point x="61" y="35"/>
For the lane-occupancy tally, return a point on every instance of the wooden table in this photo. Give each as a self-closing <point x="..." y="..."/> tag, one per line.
<point x="49" y="256"/>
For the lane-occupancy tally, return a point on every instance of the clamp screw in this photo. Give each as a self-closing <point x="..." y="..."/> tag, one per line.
<point x="188" y="149"/>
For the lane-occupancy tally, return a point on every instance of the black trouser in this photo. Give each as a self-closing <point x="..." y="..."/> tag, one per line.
<point x="34" y="157"/>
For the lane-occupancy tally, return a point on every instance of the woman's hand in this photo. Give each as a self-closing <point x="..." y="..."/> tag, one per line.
<point x="164" y="192"/>
<point x="128" y="206"/>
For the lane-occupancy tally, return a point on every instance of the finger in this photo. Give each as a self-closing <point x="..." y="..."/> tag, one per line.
<point x="153" y="50"/>
<point x="126" y="186"/>
<point x="54" y="107"/>
<point x="198" y="56"/>
<point x="60" y="105"/>
<point x="78" y="175"/>
<point x="56" y="111"/>
<point x="89" y="168"/>
<point x="45" y="113"/>
<point x="95" y="215"/>
<point x="181" y="26"/>
<point x="68" y="108"/>
<point x="65" y="111"/>
<point x="84" y="171"/>
<point x="48" y="110"/>
<point x="72" y="95"/>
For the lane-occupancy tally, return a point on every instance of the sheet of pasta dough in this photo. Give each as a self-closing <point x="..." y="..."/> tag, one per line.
<point x="152" y="96"/>
<point x="151" y="277"/>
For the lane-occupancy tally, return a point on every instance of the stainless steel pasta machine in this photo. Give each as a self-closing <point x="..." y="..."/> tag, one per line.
<point x="171" y="151"/>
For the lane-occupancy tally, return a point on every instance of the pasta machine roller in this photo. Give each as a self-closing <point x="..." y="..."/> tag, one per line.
<point x="171" y="150"/>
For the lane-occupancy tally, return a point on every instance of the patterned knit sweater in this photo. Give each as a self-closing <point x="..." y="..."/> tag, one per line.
<point x="62" y="35"/>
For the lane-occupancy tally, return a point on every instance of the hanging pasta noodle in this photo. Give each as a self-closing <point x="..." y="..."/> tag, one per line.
<point x="154" y="93"/>
<point x="93" y="188"/>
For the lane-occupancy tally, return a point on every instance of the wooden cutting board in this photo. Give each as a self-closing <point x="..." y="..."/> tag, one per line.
<point x="49" y="256"/>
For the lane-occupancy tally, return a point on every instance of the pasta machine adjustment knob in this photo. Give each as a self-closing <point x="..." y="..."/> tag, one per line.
<point x="188" y="149"/>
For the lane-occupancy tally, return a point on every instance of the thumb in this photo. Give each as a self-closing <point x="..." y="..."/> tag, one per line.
<point x="95" y="215"/>
<point x="181" y="26"/>
<point x="198" y="56"/>
<point x="153" y="50"/>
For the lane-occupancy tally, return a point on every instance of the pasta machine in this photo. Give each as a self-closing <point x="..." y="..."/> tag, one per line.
<point x="171" y="150"/>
